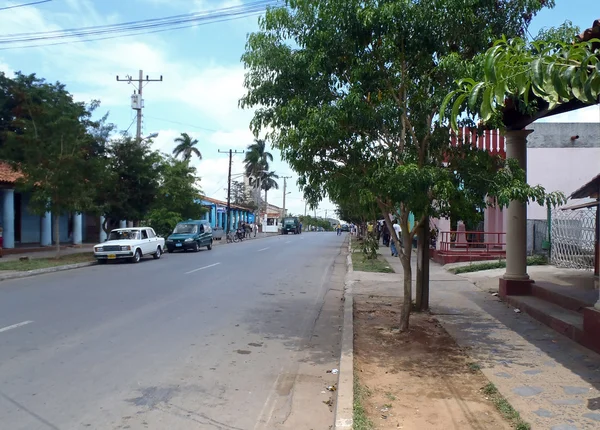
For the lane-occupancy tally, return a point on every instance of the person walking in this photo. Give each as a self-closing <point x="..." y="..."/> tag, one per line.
<point x="397" y="233"/>
<point x="338" y="230"/>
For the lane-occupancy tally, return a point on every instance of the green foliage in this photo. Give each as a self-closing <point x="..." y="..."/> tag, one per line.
<point x="307" y="220"/>
<point x="534" y="77"/>
<point x="186" y="147"/>
<point x="369" y="247"/>
<point x="131" y="184"/>
<point x="163" y="220"/>
<point x="241" y="196"/>
<point x="534" y="260"/>
<point x="49" y="139"/>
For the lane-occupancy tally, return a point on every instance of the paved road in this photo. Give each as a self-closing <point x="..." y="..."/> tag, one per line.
<point x="223" y="339"/>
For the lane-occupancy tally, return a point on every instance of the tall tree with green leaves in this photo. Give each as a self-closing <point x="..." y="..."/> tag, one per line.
<point x="178" y="196"/>
<point x="186" y="147"/>
<point x="131" y="183"/>
<point x="256" y="162"/>
<point x="350" y="90"/>
<point x="55" y="143"/>
<point x="268" y="182"/>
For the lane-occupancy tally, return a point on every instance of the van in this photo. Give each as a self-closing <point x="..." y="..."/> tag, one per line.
<point x="290" y="225"/>
<point x="190" y="235"/>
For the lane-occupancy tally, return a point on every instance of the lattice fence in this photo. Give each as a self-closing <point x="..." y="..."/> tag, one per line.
<point x="573" y="236"/>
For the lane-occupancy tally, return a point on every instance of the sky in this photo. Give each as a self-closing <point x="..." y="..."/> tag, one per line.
<point x="201" y="69"/>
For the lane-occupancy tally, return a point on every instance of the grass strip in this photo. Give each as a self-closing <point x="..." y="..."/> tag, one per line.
<point x="44" y="263"/>
<point x="505" y="408"/>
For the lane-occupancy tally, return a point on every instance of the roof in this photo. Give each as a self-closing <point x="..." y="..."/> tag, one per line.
<point x="590" y="189"/>
<point x="591" y="33"/>
<point x="222" y="203"/>
<point x="7" y="174"/>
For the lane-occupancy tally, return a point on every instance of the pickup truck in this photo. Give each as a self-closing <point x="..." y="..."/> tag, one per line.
<point x="130" y="243"/>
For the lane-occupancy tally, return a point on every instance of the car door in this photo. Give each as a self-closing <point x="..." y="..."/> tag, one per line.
<point x="146" y="242"/>
<point x="201" y="235"/>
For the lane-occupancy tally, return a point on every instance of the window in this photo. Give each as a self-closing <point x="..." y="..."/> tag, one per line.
<point x="144" y="234"/>
<point x="151" y="233"/>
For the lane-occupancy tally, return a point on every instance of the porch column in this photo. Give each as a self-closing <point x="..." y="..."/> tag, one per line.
<point x="77" y="228"/>
<point x="102" y="237"/>
<point x="516" y="281"/>
<point x="214" y="216"/>
<point x="8" y="218"/>
<point x="46" y="235"/>
<point x="122" y="224"/>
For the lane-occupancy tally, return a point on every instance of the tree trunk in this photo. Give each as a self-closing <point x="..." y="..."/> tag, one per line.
<point x="404" y="253"/>
<point x="56" y="221"/>
<point x="422" y="299"/>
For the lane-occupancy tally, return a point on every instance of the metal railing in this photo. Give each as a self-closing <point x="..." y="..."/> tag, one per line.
<point x="472" y="242"/>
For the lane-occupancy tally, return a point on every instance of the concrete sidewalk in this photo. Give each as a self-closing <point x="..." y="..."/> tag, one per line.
<point x="50" y="253"/>
<point x="550" y="380"/>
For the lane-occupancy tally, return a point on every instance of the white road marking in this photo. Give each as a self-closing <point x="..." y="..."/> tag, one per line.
<point x="202" y="268"/>
<point x="10" y="327"/>
<point x="264" y="249"/>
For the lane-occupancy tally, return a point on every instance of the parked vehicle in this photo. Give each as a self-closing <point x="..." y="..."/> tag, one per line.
<point x="290" y="225"/>
<point x="345" y="227"/>
<point x="130" y="243"/>
<point x="190" y="235"/>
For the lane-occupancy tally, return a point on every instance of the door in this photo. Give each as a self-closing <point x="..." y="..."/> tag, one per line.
<point x="147" y="243"/>
<point x="202" y="235"/>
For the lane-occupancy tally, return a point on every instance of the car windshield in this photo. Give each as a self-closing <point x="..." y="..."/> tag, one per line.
<point x="124" y="235"/>
<point x="186" y="229"/>
<point x="288" y="221"/>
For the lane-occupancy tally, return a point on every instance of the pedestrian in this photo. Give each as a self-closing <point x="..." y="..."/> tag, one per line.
<point x="255" y="229"/>
<point x="397" y="233"/>
<point x="386" y="236"/>
<point x="338" y="229"/>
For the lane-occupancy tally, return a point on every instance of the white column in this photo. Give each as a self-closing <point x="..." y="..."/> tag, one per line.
<point x="77" y="229"/>
<point x="122" y="224"/>
<point x="8" y="218"/>
<point x="102" y="237"/>
<point x="516" y="214"/>
<point x="46" y="233"/>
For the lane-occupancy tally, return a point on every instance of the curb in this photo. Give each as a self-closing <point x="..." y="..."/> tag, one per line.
<point x="29" y="273"/>
<point x="344" y="405"/>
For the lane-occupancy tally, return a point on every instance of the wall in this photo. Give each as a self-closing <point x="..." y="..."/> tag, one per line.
<point x="558" y="163"/>
<point x="30" y="223"/>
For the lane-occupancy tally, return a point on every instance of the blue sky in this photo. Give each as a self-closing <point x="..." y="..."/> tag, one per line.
<point x="203" y="76"/>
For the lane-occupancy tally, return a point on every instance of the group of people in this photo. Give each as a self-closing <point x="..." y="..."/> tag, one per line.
<point x="245" y="229"/>
<point x="384" y="233"/>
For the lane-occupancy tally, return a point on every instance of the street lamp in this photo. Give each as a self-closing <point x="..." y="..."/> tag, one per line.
<point x="150" y="136"/>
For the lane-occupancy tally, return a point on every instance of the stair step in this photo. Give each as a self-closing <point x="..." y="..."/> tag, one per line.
<point x="570" y="298"/>
<point x="564" y="321"/>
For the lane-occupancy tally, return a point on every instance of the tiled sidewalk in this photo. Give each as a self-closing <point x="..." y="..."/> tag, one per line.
<point x="552" y="381"/>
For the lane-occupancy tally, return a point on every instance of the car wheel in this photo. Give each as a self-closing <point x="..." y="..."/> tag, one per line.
<point x="209" y="246"/>
<point x="137" y="256"/>
<point x="196" y="247"/>
<point x="158" y="253"/>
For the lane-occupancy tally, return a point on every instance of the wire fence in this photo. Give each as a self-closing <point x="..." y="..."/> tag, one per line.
<point x="573" y="238"/>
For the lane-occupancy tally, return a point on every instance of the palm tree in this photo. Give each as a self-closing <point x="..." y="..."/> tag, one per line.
<point x="186" y="146"/>
<point x="268" y="182"/>
<point x="257" y="159"/>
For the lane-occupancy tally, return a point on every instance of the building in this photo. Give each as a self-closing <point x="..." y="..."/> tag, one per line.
<point x="217" y="213"/>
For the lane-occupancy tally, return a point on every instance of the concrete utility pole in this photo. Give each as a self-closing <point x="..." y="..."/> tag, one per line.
<point x="285" y="178"/>
<point x="137" y="102"/>
<point x="231" y="152"/>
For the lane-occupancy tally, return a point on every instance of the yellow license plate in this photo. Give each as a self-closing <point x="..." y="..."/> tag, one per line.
<point x="112" y="256"/>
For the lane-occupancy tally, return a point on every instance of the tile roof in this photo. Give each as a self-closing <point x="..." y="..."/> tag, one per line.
<point x="7" y="174"/>
<point x="222" y="203"/>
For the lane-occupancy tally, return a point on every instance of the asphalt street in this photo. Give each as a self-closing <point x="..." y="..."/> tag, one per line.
<point x="219" y="339"/>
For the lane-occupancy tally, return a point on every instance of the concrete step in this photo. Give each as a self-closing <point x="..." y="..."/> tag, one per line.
<point x="571" y="298"/>
<point x="564" y="321"/>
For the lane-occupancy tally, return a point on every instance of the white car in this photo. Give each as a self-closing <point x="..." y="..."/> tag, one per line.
<point x="130" y="243"/>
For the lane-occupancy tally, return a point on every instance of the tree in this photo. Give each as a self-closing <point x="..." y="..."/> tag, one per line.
<point x="178" y="196"/>
<point x="131" y="183"/>
<point x="240" y="195"/>
<point x="186" y="147"/>
<point x="256" y="162"/>
<point x="349" y="92"/>
<point x="268" y="182"/>
<point x="533" y="78"/>
<point x="51" y="140"/>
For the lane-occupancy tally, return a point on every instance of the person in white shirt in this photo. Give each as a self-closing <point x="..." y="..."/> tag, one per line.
<point x="398" y="233"/>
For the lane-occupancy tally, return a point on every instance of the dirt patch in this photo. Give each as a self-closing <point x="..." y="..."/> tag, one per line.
<point x="416" y="380"/>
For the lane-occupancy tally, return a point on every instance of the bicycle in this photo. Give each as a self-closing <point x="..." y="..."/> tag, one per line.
<point x="232" y="237"/>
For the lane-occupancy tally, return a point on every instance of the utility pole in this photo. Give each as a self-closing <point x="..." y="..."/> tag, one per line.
<point x="285" y="178"/>
<point x="231" y="152"/>
<point x="137" y="102"/>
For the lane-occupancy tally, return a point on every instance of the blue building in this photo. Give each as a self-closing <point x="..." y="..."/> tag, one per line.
<point x="217" y="213"/>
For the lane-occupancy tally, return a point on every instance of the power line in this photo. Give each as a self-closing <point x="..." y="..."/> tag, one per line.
<point x="183" y="123"/>
<point x="137" y="27"/>
<point x="25" y="4"/>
